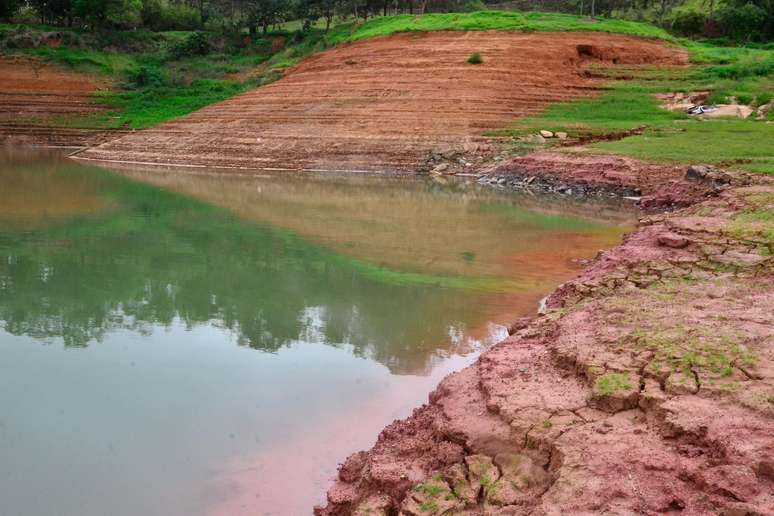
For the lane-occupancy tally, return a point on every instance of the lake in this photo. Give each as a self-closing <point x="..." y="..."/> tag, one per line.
<point x="214" y="344"/>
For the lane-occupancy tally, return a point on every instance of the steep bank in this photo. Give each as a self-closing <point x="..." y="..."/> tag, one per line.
<point x="646" y="387"/>
<point x="385" y="104"/>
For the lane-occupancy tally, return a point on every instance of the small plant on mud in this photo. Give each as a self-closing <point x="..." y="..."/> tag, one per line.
<point x="612" y="382"/>
<point x="475" y="58"/>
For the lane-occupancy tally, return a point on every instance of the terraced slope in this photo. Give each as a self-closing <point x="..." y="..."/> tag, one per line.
<point x="382" y="105"/>
<point x="39" y="103"/>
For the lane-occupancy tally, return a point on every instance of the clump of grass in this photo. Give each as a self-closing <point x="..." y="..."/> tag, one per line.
<point x="475" y="58"/>
<point x="610" y="383"/>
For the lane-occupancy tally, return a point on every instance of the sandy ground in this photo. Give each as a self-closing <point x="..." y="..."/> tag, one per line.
<point x="383" y="105"/>
<point x="38" y="99"/>
<point x="647" y="387"/>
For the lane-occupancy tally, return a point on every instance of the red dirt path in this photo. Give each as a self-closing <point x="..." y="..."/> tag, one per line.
<point x="383" y="104"/>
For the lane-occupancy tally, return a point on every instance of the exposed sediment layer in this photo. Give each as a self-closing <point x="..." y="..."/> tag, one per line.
<point x="40" y="102"/>
<point x="384" y="104"/>
<point x="647" y="386"/>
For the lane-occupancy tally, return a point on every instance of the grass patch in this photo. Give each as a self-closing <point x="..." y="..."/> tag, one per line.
<point x="610" y="383"/>
<point x="743" y="144"/>
<point x="498" y="20"/>
<point x="622" y="107"/>
<point x="147" y="107"/>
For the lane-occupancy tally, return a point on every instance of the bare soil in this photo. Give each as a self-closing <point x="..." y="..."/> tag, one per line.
<point x="39" y="100"/>
<point x="647" y="386"/>
<point x="385" y="104"/>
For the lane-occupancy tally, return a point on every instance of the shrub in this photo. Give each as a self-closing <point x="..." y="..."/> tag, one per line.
<point x="742" y="22"/>
<point x="144" y="75"/>
<point x="475" y="58"/>
<point x="744" y="98"/>
<point x="195" y="44"/>
<point x="688" y="22"/>
<point x="763" y="97"/>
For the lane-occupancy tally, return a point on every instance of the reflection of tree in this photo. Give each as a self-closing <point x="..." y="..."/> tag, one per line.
<point x="159" y="256"/>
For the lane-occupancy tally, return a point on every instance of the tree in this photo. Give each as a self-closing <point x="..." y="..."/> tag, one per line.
<point x="8" y="8"/>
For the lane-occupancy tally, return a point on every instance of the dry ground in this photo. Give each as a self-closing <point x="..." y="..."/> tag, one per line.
<point x="37" y="100"/>
<point x="384" y="104"/>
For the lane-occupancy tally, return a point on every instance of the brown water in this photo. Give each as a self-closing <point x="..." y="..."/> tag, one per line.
<point x="175" y="344"/>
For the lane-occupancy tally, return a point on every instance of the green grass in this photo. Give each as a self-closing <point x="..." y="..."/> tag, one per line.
<point x="140" y="109"/>
<point x="628" y="102"/>
<point x="495" y="20"/>
<point x="743" y="144"/>
<point x="611" y="383"/>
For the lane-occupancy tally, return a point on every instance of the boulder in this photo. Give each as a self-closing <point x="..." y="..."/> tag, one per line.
<point x="546" y="134"/>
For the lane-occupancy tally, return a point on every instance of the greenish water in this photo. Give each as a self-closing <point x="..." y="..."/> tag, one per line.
<point x="211" y="345"/>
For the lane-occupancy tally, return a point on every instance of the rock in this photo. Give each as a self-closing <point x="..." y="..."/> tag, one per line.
<point x="374" y="505"/>
<point x="679" y="383"/>
<point x="763" y="111"/>
<point x="729" y="110"/>
<point x="351" y="469"/>
<point x="533" y="138"/>
<point x="434" y="496"/>
<point x="739" y="259"/>
<point x="519" y="324"/>
<point x="561" y="135"/>
<point x="457" y="477"/>
<point x="707" y="173"/>
<point x="546" y="134"/>
<point x="673" y="240"/>
<point x="439" y="169"/>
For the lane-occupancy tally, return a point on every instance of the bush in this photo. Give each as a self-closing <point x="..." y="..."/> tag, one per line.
<point x="196" y="44"/>
<point x="144" y="76"/>
<point x="160" y="15"/>
<point x="763" y="97"/>
<point x="742" y="22"/>
<point x="475" y="58"/>
<point x="688" y="22"/>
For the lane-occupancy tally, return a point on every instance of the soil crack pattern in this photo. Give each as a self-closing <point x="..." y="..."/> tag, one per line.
<point x="646" y="387"/>
<point x="385" y="105"/>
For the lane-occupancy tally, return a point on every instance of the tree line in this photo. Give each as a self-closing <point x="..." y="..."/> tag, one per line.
<point x="735" y="19"/>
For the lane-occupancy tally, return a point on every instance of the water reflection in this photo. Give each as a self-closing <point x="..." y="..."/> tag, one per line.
<point x="124" y="255"/>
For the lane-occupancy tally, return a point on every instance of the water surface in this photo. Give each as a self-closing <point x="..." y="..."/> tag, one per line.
<point x="177" y="344"/>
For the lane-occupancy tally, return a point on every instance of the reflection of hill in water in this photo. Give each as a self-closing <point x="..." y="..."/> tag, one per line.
<point x="140" y="257"/>
<point x="158" y="256"/>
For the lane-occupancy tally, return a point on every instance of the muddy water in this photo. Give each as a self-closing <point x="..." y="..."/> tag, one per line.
<point x="186" y="345"/>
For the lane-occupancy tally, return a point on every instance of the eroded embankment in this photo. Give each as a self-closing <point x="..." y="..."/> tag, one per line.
<point x="646" y="387"/>
<point x="42" y="104"/>
<point x="384" y="104"/>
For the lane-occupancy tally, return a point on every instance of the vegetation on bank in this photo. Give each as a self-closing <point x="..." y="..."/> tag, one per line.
<point x="736" y="75"/>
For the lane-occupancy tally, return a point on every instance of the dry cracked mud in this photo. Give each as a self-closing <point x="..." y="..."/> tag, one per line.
<point x="646" y="387"/>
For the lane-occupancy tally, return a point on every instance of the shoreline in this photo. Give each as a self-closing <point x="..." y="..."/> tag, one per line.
<point x="646" y="386"/>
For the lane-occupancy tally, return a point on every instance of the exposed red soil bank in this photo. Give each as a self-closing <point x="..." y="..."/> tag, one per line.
<point x="384" y="104"/>
<point x="657" y="185"/>
<point x="37" y="99"/>
<point x="647" y="387"/>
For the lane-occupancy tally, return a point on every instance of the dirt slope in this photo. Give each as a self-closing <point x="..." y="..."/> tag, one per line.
<point x="384" y="104"/>
<point x="39" y="100"/>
